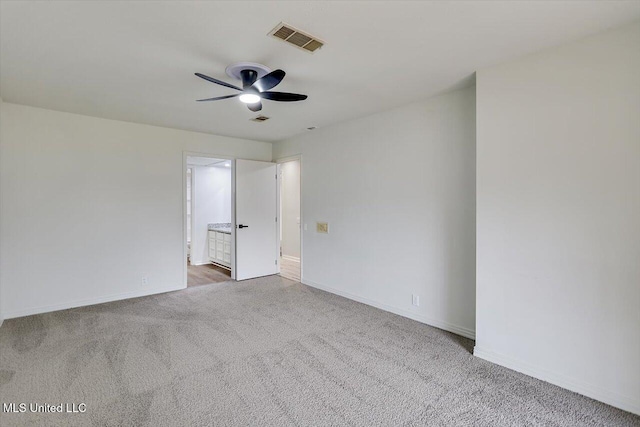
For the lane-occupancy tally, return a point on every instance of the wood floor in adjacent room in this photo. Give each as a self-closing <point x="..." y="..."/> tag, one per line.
<point x="206" y="274"/>
<point x="290" y="268"/>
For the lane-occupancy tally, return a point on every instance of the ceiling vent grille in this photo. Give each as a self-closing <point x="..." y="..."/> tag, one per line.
<point x="259" y="119"/>
<point x="299" y="39"/>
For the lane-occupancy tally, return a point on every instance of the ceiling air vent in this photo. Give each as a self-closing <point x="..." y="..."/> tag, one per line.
<point x="299" y="39"/>
<point x="259" y="119"/>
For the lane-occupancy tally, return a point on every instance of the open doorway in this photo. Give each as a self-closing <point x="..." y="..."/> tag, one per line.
<point x="289" y="214"/>
<point x="209" y="220"/>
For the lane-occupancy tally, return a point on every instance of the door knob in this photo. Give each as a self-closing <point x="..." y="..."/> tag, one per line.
<point x="243" y="226"/>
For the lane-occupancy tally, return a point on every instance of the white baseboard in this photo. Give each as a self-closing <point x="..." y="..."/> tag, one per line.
<point x="465" y="332"/>
<point x="89" y="301"/>
<point x="612" y="398"/>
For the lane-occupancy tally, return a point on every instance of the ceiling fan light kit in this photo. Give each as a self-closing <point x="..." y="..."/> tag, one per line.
<point x="256" y="82"/>
<point x="249" y="98"/>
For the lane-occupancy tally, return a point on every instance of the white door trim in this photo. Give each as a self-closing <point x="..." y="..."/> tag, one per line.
<point x="279" y="162"/>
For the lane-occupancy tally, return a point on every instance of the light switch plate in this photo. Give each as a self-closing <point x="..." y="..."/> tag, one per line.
<point x="322" y="227"/>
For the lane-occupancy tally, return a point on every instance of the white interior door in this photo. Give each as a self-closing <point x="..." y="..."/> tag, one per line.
<point x="256" y="227"/>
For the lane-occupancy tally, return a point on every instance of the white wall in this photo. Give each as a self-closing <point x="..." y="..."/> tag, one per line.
<point x="89" y="206"/>
<point x="222" y="194"/>
<point x="398" y="191"/>
<point x="290" y="208"/>
<point x="1" y="286"/>
<point x="558" y="216"/>
<point x="211" y="203"/>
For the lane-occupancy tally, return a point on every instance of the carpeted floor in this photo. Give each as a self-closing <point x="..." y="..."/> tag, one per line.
<point x="266" y="352"/>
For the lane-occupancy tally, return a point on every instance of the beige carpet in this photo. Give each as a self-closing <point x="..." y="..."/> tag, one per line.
<point x="266" y="352"/>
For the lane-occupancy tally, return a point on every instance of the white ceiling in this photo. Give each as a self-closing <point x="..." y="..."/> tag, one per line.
<point x="135" y="61"/>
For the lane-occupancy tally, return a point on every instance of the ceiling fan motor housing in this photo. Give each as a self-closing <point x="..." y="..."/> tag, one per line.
<point x="235" y="70"/>
<point x="248" y="78"/>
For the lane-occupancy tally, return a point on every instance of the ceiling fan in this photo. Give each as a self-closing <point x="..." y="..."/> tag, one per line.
<point x="256" y="82"/>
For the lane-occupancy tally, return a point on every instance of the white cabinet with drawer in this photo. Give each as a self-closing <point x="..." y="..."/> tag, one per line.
<point x="220" y="248"/>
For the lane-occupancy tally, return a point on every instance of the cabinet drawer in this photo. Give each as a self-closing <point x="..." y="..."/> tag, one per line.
<point x="227" y="238"/>
<point x="219" y="236"/>
<point x="212" y="252"/>
<point x="220" y="255"/>
<point x="227" y="248"/>
<point x="227" y="258"/>
<point x="219" y="245"/>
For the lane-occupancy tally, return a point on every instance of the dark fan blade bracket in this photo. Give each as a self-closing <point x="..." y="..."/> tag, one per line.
<point x="283" y="96"/>
<point x="219" y="97"/>
<point x="216" y="81"/>
<point x="269" y="81"/>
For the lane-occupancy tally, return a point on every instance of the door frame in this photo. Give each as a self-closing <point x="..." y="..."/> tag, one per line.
<point x="191" y="202"/>
<point x="279" y="162"/>
<point x="186" y="154"/>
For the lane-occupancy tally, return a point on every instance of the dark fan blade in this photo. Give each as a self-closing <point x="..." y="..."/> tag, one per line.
<point x="219" y="97"/>
<point x="270" y="80"/>
<point x="283" y="96"/>
<point x="220" y="82"/>
<point x="255" y="107"/>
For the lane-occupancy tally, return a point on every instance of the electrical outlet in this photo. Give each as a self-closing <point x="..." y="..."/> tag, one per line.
<point x="145" y="280"/>
<point x="415" y="300"/>
<point x="322" y="227"/>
